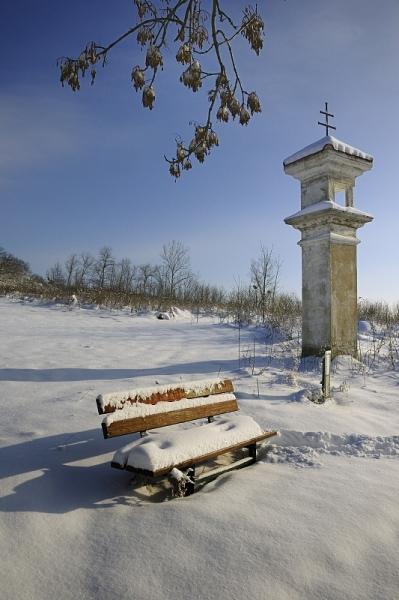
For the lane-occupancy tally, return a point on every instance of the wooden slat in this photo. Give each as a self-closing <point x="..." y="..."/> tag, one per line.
<point x="168" y="418"/>
<point x="204" y="457"/>
<point x="175" y="392"/>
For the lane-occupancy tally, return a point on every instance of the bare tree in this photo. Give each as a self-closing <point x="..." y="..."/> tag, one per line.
<point x="146" y="277"/>
<point x="125" y="275"/>
<point x="55" y="275"/>
<point x="175" y="267"/>
<point x="264" y="278"/>
<point x="204" y="32"/>
<point x="71" y="266"/>
<point x="103" y="267"/>
<point x="84" y="270"/>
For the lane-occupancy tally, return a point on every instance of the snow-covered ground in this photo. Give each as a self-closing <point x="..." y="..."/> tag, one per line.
<point x="316" y="518"/>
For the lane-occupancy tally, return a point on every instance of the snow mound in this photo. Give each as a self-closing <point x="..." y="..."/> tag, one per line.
<point x="164" y="316"/>
<point x="299" y="457"/>
<point x="305" y="448"/>
<point x="308" y="394"/>
<point x="180" y="313"/>
<point x="344" y="363"/>
<point x="174" y="313"/>
<point x="364" y="327"/>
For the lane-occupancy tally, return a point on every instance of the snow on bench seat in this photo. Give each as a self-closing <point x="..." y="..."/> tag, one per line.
<point x="159" y="452"/>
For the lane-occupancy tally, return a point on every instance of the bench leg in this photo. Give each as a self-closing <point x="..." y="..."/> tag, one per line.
<point x="252" y="451"/>
<point x="190" y="483"/>
<point x="183" y="482"/>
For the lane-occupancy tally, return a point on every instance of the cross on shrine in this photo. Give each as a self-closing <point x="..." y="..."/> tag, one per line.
<point x="327" y="114"/>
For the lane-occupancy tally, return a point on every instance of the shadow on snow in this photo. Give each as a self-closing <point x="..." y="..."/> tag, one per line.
<point x="76" y="374"/>
<point x="56" y="485"/>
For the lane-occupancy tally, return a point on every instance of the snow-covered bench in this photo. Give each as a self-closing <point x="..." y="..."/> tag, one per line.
<point x="169" y="452"/>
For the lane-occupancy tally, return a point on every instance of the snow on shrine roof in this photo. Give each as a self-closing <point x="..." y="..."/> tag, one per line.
<point x="328" y="205"/>
<point x="327" y="140"/>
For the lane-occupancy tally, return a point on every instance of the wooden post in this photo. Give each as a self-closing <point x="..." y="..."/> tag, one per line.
<point x="326" y="377"/>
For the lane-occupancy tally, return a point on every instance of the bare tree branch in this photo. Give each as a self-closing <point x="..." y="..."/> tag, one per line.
<point x="199" y="32"/>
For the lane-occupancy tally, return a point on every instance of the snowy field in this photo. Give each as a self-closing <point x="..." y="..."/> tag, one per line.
<point x="316" y="518"/>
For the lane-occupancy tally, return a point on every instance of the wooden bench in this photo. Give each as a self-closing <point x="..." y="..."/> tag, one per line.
<point x="178" y="451"/>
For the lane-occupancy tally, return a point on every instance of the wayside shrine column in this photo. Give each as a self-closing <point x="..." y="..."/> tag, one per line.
<point x="328" y="242"/>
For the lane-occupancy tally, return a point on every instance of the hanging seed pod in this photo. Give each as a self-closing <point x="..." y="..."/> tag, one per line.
<point x="252" y="29"/>
<point x="199" y="36"/>
<point x="191" y="77"/>
<point x="83" y="63"/>
<point x="223" y="114"/>
<point x="196" y="67"/>
<point x="225" y="97"/>
<point x="253" y="103"/>
<point x="221" y="80"/>
<point x="180" y="153"/>
<point x="91" y="53"/>
<point x="244" y="116"/>
<point x="200" y="152"/>
<point x="153" y="58"/>
<point x="184" y="54"/>
<point x="200" y="133"/>
<point x="234" y="106"/>
<point x="138" y="78"/>
<point x="148" y="97"/>
<point x="212" y="139"/>
<point x="144" y="35"/>
<point x="73" y="81"/>
<point x="186" y="77"/>
<point x="174" y="170"/>
<point x="141" y="8"/>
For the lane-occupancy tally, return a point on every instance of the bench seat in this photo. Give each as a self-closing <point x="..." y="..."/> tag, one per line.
<point x="157" y="453"/>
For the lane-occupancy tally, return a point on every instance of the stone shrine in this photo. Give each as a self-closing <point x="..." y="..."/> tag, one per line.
<point x="328" y="241"/>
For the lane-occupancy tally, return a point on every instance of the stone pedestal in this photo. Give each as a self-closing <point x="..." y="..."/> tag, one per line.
<point x="328" y="242"/>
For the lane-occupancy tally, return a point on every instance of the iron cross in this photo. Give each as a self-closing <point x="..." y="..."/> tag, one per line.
<point x="327" y="114"/>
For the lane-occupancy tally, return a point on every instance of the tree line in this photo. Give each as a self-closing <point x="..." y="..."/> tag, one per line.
<point x="105" y="280"/>
<point x="171" y="279"/>
<point x="12" y="266"/>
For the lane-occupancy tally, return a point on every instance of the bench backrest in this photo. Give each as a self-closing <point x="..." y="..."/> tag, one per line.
<point x="108" y="403"/>
<point x="150" y="408"/>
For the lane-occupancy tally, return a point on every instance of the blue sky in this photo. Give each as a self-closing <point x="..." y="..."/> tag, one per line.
<point x="79" y="171"/>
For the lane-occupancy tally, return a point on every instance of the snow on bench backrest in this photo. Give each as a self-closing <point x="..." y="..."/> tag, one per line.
<point x="108" y="403"/>
<point x="142" y="416"/>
